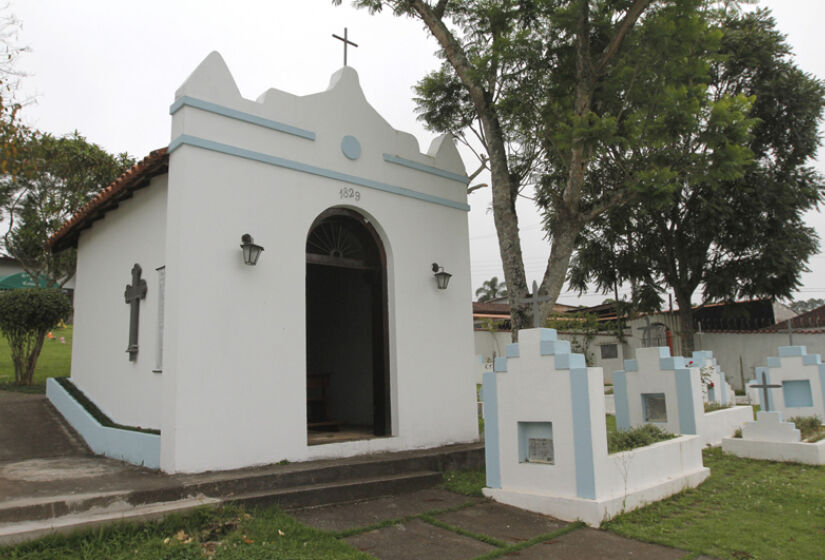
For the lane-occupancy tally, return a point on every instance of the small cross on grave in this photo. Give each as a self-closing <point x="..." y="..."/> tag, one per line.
<point x="346" y="41"/>
<point x="535" y="300"/>
<point x="765" y="388"/>
<point x="133" y="295"/>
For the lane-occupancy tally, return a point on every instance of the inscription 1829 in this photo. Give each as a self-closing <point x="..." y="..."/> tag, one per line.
<point x="349" y="193"/>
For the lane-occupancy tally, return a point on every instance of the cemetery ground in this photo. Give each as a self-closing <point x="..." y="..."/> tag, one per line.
<point x="747" y="509"/>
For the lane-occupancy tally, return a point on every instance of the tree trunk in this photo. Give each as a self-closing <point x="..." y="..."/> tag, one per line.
<point x="686" y="330"/>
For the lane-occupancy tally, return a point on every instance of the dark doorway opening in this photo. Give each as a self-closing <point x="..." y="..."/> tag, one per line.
<point x="348" y="393"/>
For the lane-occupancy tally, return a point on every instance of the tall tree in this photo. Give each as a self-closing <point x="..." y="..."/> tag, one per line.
<point x="529" y="72"/>
<point x="66" y="173"/>
<point x="717" y="217"/>
<point x="491" y="289"/>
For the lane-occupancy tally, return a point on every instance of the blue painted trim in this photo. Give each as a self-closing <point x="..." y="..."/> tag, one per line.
<point x="546" y="334"/>
<point x="684" y="397"/>
<point x="351" y="147"/>
<point x="822" y="381"/>
<point x="133" y="447"/>
<point x="210" y="107"/>
<point x="773" y="362"/>
<point x="570" y="361"/>
<point x="512" y="350"/>
<point x="463" y="179"/>
<point x="790" y="351"/>
<point x="811" y="359"/>
<point x="582" y="435"/>
<point x="631" y="365"/>
<point x="553" y="347"/>
<point x="672" y="363"/>
<point x="797" y="393"/>
<point x="500" y="365"/>
<point x="492" y="459"/>
<point x="699" y="355"/>
<point x="620" y="398"/>
<point x="185" y="139"/>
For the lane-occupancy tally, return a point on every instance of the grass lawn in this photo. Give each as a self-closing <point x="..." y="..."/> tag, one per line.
<point x="55" y="361"/>
<point x="226" y="533"/>
<point x="747" y="509"/>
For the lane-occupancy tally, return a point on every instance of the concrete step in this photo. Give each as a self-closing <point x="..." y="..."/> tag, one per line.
<point x="340" y="492"/>
<point x="291" y="486"/>
<point x="14" y="533"/>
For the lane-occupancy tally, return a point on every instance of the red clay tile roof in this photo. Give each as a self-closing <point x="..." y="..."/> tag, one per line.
<point x="137" y="177"/>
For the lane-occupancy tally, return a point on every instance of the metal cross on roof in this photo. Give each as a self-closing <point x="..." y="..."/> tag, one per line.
<point x="765" y="388"/>
<point x="534" y="302"/>
<point x="346" y="43"/>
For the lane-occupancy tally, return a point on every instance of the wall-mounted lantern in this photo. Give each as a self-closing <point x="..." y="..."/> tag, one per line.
<point x="251" y="251"/>
<point x="441" y="278"/>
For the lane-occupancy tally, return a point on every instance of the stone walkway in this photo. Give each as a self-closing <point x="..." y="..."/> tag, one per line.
<point x="436" y="523"/>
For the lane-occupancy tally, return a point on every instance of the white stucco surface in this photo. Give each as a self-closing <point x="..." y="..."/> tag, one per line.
<point x="233" y="390"/>
<point x="128" y="392"/>
<point x="723" y="423"/>
<point x="584" y="481"/>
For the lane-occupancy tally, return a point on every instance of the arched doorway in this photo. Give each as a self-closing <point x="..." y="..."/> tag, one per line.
<point x="348" y="389"/>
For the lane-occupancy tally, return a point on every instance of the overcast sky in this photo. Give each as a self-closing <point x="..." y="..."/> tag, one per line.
<point x="109" y="69"/>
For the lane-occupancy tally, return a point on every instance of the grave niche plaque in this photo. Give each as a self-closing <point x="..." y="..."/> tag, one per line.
<point x="536" y="442"/>
<point x="653" y="405"/>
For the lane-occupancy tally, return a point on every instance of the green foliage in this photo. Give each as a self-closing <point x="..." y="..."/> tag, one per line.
<point x="491" y="289"/>
<point x="54" y="361"/>
<point x="811" y="427"/>
<point x="803" y="306"/>
<point x="747" y="509"/>
<point x="67" y="173"/>
<point x="641" y="436"/>
<point x="94" y="411"/>
<point x="714" y="406"/>
<point x="466" y="482"/>
<point x="26" y="316"/>
<point x="227" y="533"/>
<point x="727" y="128"/>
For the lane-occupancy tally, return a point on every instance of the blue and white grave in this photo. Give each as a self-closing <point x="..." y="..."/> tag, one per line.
<point x="670" y="391"/>
<point x="546" y="439"/>
<point x="801" y="377"/>
<point x="792" y="384"/>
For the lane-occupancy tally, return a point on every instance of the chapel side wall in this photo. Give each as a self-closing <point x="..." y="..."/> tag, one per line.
<point x="754" y="348"/>
<point x="244" y="402"/>
<point x="129" y="392"/>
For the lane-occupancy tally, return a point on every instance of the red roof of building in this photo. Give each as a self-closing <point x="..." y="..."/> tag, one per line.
<point x="137" y="177"/>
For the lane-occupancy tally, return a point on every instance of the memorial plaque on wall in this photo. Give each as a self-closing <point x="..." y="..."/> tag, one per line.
<point x="540" y="450"/>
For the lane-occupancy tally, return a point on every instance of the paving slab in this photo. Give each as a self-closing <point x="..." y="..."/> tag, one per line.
<point x="31" y="428"/>
<point x="591" y="544"/>
<point x="506" y="523"/>
<point x="341" y="517"/>
<point x="415" y="540"/>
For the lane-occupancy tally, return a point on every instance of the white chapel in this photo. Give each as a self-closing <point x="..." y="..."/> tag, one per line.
<point x="338" y="341"/>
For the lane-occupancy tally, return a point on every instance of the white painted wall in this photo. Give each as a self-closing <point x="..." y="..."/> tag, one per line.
<point x="129" y="392"/>
<point x="235" y="367"/>
<point x="489" y="344"/>
<point x="753" y="349"/>
<point x="793" y="368"/>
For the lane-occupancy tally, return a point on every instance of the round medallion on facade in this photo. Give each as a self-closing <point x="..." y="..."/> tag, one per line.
<point x="351" y="147"/>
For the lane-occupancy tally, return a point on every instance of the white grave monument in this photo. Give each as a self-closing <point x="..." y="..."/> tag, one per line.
<point x="656" y="388"/>
<point x="801" y="380"/>
<point x="546" y="439"/>
<point x="792" y="384"/>
<point x="339" y="326"/>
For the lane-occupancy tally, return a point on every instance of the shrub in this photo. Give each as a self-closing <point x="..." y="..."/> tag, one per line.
<point x="26" y="316"/>
<point x="809" y="426"/>
<point x="636" y="437"/>
<point x="714" y="406"/>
